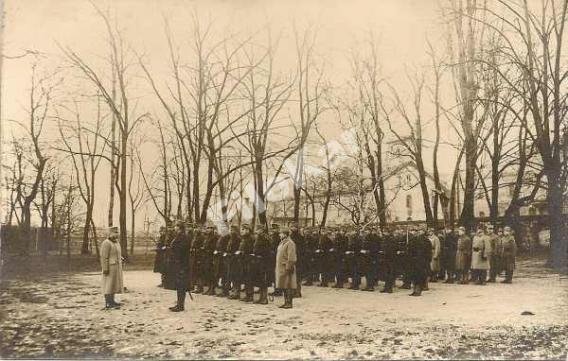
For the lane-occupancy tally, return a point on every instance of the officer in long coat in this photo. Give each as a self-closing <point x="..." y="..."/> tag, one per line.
<point x="111" y="264"/>
<point x="298" y="237"/>
<point x="463" y="256"/>
<point x="180" y="261"/>
<point x="207" y="263"/>
<point x="436" y="251"/>
<point x="352" y="258"/>
<point x="325" y="244"/>
<point x="481" y="252"/>
<point x="285" y="271"/>
<point x="494" y="253"/>
<point x="508" y="254"/>
<point x="420" y="256"/>
<point x="274" y="241"/>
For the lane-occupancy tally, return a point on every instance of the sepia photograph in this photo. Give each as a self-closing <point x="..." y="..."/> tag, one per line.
<point x="284" y="179"/>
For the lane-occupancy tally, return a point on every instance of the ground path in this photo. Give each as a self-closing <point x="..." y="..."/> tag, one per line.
<point x="62" y="316"/>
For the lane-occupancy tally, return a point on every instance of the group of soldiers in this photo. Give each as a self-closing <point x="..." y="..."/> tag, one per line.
<point x="227" y="262"/>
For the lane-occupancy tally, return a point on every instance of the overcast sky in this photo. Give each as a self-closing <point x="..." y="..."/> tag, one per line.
<point x="401" y="26"/>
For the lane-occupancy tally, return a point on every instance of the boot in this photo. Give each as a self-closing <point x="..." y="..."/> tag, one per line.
<point x="108" y="303"/>
<point x="113" y="302"/>
<point x="180" y="306"/>
<point x="386" y="290"/>
<point x="210" y="290"/>
<point x="263" y="300"/>
<point x="235" y="294"/>
<point x="417" y="290"/>
<point x="406" y="286"/>
<point x="248" y="297"/>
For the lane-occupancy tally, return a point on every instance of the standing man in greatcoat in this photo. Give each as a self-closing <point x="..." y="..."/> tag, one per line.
<point x="463" y="256"/>
<point x="508" y="254"/>
<point x="481" y="252"/>
<point x="285" y="271"/>
<point x="159" y="260"/>
<point x="111" y="264"/>
<point x="180" y="261"/>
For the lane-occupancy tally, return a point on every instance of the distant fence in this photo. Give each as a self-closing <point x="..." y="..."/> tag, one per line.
<point x="43" y="241"/>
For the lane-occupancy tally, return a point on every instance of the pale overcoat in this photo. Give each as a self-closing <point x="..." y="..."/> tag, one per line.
<point x="435" y="262"/>
<point x="111" y="261"/>
<point x="463" y="255"/>
<point x="286" y="258"/>
<point x="481" y="252"/>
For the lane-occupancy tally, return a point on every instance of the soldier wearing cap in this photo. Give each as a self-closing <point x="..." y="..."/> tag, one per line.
<point x="195" y="254"/>
<point x="285" y="271"/>
<point x="233" y="271"/>
<point x="298" y="237"/>
<point x="481" y="252"/>
<point x="449" y="254"/>
<point x="220" y="262"/>
<point x="111" y="264"/>
<point x="508" y="254"/>
<point x="274" y="241"/>
<point x="336" y="254"/>
<point x="261" y="263"/>
<point x="180" y="261"/>
<point x="436" y="251"/>
<point x="208" y="250"/>
<point x="313" y="261"/>
<point x="494" y="264"/>
<point x="463" y="256"/>
<point x="352" y="257"/>
<point x="243" y="259"/>
<point x="387" y="261"/>
<point x="420" y="256"/>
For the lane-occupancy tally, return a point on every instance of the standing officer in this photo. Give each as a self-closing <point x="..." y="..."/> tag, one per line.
<point x="180" y="261"/>
<point x="403" y="258"/>
<point x="111" y="264"/>
<point x="508" y="254"/>
<point x="420" y="256"/>
<point x="285" y="271"/>
<point x="312" y="256"/>
<point x="367" y="255"/>
<point x="481" y="247"/>
<point x="261" y="263"/>
<point x="493" y="252"/>
<point x="463" y="256"/>
<point x="435" y="263"/>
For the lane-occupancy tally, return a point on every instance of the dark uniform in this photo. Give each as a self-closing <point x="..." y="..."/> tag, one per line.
<point x="180" y="265"/>
<point x="232" y="266"/>
<point x="371" y="244"/>
<point x="160" y="258"/>
<point x="352" y="258"/>
<point x="274" y="241"/>
<point x="207" y="254"/>
<point x="325" y="244"/>
<point x="450" y="248"/>
<point x="420" y="255"/>
<point x="220" y="264"/>
<point x="387" y="261"/>
<point x="261" y="264"/>
<point x="312" y="268"/>
<point x="243" y="257"/>
<point x="195" y="255"/>
<point x="336" y="255"/>
<point x="299" y="240"/>
<point x="404" y="262"/>
<point x="508" y="254"/>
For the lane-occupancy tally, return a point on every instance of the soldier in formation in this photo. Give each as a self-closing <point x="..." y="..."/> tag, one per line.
<point x="227" y="261"/>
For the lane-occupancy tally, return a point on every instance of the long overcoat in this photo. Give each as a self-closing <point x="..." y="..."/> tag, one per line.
<point x="463" y="254"/>
<point x="286" y="258"/>
<point x="111" y="261"/>
<point x="481" y="252"/>
<point x="436" y="248"/>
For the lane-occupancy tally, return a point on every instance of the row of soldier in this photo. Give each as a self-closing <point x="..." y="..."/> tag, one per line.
<point x="229" y="263"/>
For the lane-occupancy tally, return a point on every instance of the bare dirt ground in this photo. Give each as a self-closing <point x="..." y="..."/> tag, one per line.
<point x="62" y="316"/>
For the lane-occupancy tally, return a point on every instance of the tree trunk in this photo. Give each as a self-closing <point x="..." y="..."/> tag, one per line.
<point x="86" y="230"/>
